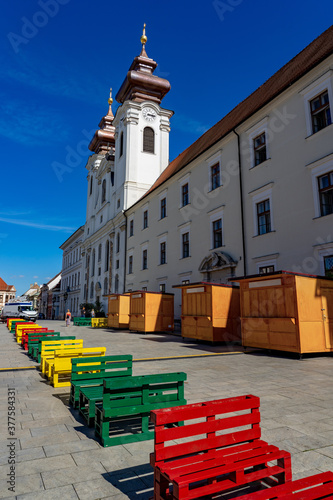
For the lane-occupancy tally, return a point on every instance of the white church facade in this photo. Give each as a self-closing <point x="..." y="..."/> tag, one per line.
<point x="254" y="194"/>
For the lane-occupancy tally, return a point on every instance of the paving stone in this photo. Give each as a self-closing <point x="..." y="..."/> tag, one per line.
<point x="63" y="493"/>
<point x="71" y="447"/>
<point x="39" y="465"/>
<point x="23" y="455"/>
<point x="34" y="442"/>
<point x="52" y="429"/>
<point x="27" y="484"/>
<point x="72" y="475"/>
<point x="97" y="488"/>
<point x="66" y="419"/>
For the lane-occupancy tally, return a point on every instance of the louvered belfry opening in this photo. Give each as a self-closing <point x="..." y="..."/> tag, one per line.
<point x="148" y="140"/>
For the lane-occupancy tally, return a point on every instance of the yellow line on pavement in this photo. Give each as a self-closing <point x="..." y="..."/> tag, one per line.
<point x="19" y="368"/>
<point x="191" y="356"/>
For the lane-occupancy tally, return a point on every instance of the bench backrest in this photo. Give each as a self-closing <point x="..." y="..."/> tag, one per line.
<point x="26" y="333"/>
<point x="222" y="423"/>
<point x="106" y="366"/>
<point x="49" y="346"/>
<point x="142" y="393"/>
<point x="35" y="337"/>
<point x="63" y="358"/>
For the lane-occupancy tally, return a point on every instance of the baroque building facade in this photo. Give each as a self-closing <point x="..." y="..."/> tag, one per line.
<point x="69" y="296"/>
<point x="254" y="194"/>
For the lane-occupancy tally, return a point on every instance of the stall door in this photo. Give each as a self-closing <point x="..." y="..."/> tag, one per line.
<point x="327" y="309"/>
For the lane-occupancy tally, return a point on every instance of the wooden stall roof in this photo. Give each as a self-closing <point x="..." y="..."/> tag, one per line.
<point x="278" y="273"/>
<point x="200" y="283"/>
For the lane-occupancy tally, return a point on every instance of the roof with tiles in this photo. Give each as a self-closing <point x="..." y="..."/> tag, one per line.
<point x="308" y="58"/>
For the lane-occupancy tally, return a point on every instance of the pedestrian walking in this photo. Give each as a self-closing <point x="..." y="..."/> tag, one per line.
<point x="93" y="313"/>
<point x="68" y="318"/>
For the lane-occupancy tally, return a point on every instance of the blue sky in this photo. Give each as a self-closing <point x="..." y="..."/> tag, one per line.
<point x="58" y="59"/>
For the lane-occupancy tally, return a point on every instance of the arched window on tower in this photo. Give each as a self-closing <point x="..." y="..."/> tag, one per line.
<point x="104" y="191"/>
<point x="93" y="263"/>
<point x="148" y="140"/>
<point x="91" y="289"/>
<point x="106" y="291"/>
<point x="121" y="150"/>
<point x="91" y="184"/>
<point x="99" y="252"/>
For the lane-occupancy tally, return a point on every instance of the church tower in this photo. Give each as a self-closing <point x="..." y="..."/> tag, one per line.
<point x="142" y="129"/>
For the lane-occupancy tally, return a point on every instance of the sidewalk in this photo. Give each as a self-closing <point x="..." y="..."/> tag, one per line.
<point x="57" y="456"/>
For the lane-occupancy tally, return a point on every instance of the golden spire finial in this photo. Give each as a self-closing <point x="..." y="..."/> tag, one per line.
<point x="144" y="38"/>
<point x="110" y="100"/>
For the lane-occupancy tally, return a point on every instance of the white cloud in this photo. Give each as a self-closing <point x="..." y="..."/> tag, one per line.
<point x="21" y="275"/>
<point x="35" y="277"/>
<point x="38" y="225"/>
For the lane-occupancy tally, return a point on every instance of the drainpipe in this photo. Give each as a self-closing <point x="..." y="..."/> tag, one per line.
<point x="242" y="203"/>
<point x="125" y="262"/>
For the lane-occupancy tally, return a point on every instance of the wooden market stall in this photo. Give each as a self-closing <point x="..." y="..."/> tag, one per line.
<point x="151" y="312"/>
<point x="211" y="312"/>
<point x="287" y="311"/>
<point x="118" y="310"/>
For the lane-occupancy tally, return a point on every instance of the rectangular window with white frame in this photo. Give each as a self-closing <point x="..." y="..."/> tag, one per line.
<point x="320" y="112"/>
<point x="131" y="227"/>
<point x="185" y="200"/>
<point x="163" y="212"/>
<point x="266" y="269"/>
<point x="217" y="233"/>
<point x="215" y="176"/>
<point x="185" y="245"/>
<point x="264" y="217"/>
<point x="259" y="149"/>
<point x="163" y="252"/>
<point x="145" y="259"/>
<point x="162" y="287"/>
<point x="130" y="264"/>
<point x="145" y="219"/>
<point x="263" y="210"/>
<point x="325" y="187"/>
<point x="328" y="265"/>
<point x="318" y="98"/>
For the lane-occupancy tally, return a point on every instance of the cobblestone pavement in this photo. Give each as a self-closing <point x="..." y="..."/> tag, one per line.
<point x="58" y="457"/>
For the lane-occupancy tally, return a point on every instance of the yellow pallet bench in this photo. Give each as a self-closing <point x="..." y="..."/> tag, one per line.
<point x="19" y="329"/>
<point x="99" y="322"/>
<point x="10" y="321"/>
<point x="48" y="347"/>
<point x="60" y="368"/>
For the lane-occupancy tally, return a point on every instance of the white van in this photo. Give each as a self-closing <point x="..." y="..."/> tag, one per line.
<point x="22" y="310"/>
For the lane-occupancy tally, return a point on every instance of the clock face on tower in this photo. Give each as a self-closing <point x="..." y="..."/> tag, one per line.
<point x="149" y="114"/>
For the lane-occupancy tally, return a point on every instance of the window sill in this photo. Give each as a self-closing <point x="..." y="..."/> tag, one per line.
<point x="315" y="134"/>
<point x="164" y="264"/>
<point x="321" y="216"/>
<point x="162" y="218"/>
<point x="144" y="228"/>
<point x="218" y="187"/>
<point x="264" y="234"/>
<point x="183" y="206"/>
<point x="213" y="249"/>
<point x="183" y="258"/>
<point x="261" y="164"/>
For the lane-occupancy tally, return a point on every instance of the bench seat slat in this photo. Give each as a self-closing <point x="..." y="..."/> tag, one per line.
<point x="296" y="489"/>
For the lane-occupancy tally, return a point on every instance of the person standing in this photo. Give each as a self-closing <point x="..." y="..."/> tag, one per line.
<point x="68" y="318"/>
<point x="93" y="313"/>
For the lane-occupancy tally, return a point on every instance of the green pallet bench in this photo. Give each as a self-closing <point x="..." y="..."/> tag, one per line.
<point x="94" y="370"/>
<point x="33" y="338"/>
<point x="82" y="321"/>
<point x="37" y="347"/>
<point x="123" y="415"/>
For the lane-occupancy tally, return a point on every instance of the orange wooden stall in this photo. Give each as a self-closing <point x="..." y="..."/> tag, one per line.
<point x="118" y="310"/>
<point x="211" y="312"/>
<point x="287" y="311"/>
<point x="151" y="312"/>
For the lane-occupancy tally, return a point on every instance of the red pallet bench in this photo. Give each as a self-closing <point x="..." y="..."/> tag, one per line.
<point x="315" y="487"/>
<point x="217" y="448"/>
<point x="26" y="334"/>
